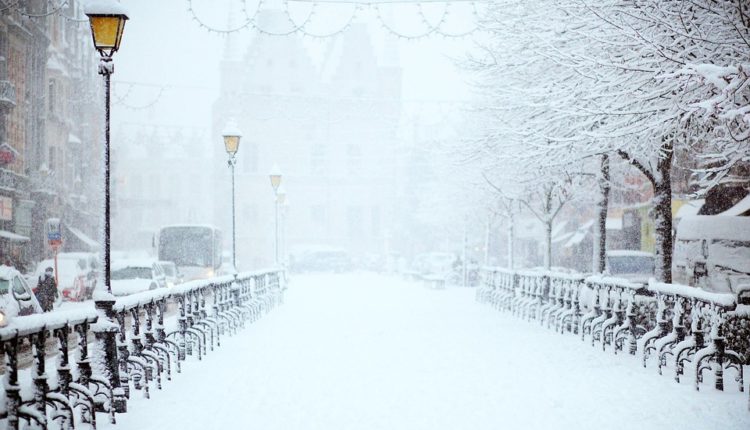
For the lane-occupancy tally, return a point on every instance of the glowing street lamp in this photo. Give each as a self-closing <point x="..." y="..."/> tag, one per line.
<point x="275" y="177"/>
<point x="107" y="19"/>
<point x="232" y="135"/>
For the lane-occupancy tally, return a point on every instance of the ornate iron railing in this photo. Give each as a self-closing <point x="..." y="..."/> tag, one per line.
<point x="145" y="347"/>
<point x="675" y="325"/>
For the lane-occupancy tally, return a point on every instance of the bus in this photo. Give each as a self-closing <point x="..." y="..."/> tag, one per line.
<point x="195" y="249"/>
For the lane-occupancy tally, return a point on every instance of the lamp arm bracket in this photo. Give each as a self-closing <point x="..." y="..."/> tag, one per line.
<point x="106" y="66"/>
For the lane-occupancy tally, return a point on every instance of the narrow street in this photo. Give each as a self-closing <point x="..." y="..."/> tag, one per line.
<point x="362" y="351"/>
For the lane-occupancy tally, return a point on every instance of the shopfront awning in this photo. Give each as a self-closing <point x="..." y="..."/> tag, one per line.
<point x="13" y="237"/>
<point x="85" y="240"/>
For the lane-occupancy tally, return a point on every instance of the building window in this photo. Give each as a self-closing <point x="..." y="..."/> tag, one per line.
<point x="51" y="96"/>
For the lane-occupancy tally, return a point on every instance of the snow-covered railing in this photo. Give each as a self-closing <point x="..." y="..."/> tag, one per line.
<point x="27" y="337"/>
<point x="676" y="324"/>
<point x="134" y="349"/>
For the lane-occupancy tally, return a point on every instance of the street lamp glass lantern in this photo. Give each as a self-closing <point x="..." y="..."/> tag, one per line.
<point x="275" y="177"/>
<point x="231" y="144"/>
<point x="232" y="135"/>
<point x="281" y="195"/>
<point x="107" y="26"/>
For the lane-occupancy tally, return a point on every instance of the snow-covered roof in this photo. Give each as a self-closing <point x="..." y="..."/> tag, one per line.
<point x="13" y="237"/>
<point x="742" y="208"/>
<point x="83" y="238"/>
<point x="714" y="227"/>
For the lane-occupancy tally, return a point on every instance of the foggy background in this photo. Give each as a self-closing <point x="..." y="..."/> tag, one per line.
<point x="358" y="124"/>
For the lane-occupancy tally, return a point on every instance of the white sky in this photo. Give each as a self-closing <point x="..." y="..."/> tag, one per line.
<point x="163" y="45"/>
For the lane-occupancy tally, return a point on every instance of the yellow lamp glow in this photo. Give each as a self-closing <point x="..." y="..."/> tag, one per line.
<point x="107" y="19"/>
<point x="232" y="135"/>
<point x="275" y="177"/>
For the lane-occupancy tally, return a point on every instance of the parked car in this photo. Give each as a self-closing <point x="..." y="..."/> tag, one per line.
<point x="436" y="263"/>
<point x="16" y="297"/>
<point x="712" y="252"/>
<point x="171" y="274"/>
<point x="76" y="274"/>
<point x="635" y="266"/>
<point x="321" y="259"/>
<point x="133" y="276"/>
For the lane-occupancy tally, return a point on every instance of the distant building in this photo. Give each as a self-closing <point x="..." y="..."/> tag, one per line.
<point x="163" y="177"/>
<point x="332" y="129"/>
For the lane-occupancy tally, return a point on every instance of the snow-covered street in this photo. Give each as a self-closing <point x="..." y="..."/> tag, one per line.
<point x="363" y="351"/>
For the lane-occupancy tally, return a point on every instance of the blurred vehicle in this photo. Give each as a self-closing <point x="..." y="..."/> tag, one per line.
<point x="76" y="275"/>
<point x="321" y="259"/>
<point x="171" y="274"/>
<point x="373" y="262"/>
<point x="712" y="252"/>
<point x="634" y="266"/>
<point x="195" y="249"/>
<point x="16" y="297"/>
<point x="133" y="276"/>
<point x="435" y="263"/>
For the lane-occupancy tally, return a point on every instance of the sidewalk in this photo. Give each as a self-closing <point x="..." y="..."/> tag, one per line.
<point x="367" y="352"/>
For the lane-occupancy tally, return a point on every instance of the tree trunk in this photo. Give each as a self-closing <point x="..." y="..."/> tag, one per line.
<point x="511" y="244"/>
<point x="600" y="234"/>
<point x="663" y="213"/>
<point x="548" y="245"/>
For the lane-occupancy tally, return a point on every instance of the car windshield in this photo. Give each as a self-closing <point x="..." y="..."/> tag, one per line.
<point x="131" y="273"/>
<point x="4" y="285"/>
<point x="631" y="264"/>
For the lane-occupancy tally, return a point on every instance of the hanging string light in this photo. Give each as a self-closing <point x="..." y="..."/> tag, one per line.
<point x="50" y="11"/>
<point x="248" y="22"/>
<point x="295" y="28"/>
<point x="303" y="28"/>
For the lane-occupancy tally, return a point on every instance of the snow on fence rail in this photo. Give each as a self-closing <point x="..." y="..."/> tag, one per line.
<point x="675" y="325"/>
<point x="132" y="350"/>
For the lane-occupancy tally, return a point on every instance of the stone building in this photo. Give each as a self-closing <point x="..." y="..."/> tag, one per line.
<point x="49" y="130"/>
<point x="331" y="126"/>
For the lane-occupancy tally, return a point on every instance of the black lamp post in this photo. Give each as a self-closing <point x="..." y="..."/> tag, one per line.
<point x="107" y="20"/>
<point x="232" y="136"/>
<point x="275" y="177"/>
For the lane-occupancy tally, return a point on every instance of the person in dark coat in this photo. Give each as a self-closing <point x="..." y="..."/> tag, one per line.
<point x="46" y="292"/>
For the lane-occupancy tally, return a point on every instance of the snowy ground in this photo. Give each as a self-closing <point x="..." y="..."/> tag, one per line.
<point x="369" y="352"/>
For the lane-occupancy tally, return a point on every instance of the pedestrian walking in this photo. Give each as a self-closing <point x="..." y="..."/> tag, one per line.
<point x="46" y="292"/>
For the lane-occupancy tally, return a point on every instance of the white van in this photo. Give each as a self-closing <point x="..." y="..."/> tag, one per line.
<point x="712" y="252"/>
